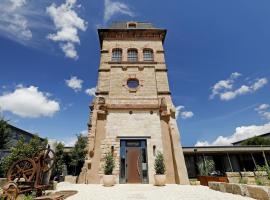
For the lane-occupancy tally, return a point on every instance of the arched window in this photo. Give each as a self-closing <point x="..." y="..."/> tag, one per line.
<point x="132" y="55"/>
<point x="117" y="55"/>
<point x="148" y="55"/>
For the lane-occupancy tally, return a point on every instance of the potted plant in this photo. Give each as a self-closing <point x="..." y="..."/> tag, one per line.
<point x="108" y="177"/>
<point x="207" y="172"/>
<point x="160" y="177"/>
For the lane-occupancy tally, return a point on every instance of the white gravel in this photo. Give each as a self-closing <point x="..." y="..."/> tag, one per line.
<point x="145" y="192"/>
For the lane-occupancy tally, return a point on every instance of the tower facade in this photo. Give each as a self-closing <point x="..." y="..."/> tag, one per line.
<point x="133" y="115"/>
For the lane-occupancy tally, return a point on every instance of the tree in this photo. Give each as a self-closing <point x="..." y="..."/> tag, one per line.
<point x="5" y="134"/>
<point x="109" y="164"/>
<point x="159" y="164"/>
<point x="78" y="154"/>
<point x="59" y="160"/>
<point x="256" y="140"/>
<point x="23" y="150"/>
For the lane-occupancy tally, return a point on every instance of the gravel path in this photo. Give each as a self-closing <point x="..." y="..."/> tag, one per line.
<point x="145" y="192"/>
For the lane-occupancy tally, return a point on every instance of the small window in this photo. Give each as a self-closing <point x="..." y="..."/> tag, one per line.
<point x="132" y="55"/>
<point x="148" y="55"/>
<point x="133" y="83"/>
<point x="132" y="25"/>
<point x="117" y="55"/>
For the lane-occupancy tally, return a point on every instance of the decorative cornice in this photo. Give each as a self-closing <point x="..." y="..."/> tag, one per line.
<point x="133" y="63"/>
<point x="132" y="106"/>
<point x="104" y="70"/>
<point x="131" y="34"/>
<point x="164" y="93"/>
<point x="104" y="51"/>
<point x="160" y="51"/>
<point x="161" y="70"/>
<point x="102" y="93"/>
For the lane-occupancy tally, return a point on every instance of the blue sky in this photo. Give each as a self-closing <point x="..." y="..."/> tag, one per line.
<point x="217" y="54"/>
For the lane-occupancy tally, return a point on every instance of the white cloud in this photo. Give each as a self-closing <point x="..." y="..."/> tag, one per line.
<point x="91" y="91"/>
<point x="67" y="23"/>
<point x="224" y="84"/>
<point x="262" y="107"/>
<point x="112" y="8"/>
<point x="259" y="84"/>
<point x="183" y="114"/>
<point x="187" y="114"/>
<point x="28" y="102"/>
<point x="241" y="133"/>
<point x="17" y="3"/>
<point x="84" y="132"/>
<point x="202" y="144"/>
<point x="74" y="83"/>
<point x="224" y="88"/>
<point x="13" y="21"/>
<point x="69" y="50"/>
<point x="71" y="141"/>
<point x="262" y="111"/>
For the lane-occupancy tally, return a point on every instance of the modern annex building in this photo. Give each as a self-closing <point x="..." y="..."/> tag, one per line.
<point x="133" y="115"/>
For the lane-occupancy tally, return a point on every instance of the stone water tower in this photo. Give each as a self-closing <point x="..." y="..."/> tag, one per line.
<point x="133" y="115"/>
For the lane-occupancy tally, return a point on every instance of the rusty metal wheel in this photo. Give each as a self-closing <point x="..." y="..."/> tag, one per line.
<point x="48" y="159"/>
<point x="11" y="191"/>
<point x="22" y="169"/>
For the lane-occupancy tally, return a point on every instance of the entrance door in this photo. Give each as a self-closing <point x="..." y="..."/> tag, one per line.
<point x="133" y="165"/>
<point x="133" y="161"/>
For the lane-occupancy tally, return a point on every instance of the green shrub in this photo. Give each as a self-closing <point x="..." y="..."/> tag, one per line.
<point x="259" y="181"/>
<point x="22" y="150"/>
<point x="30" y="196"/>
<point x="206" y="167"/>
<point x="242" y="181"/>
<point x="264" y="168"/>
<point x="109" y="164"/>
<point x="159" y="164"/>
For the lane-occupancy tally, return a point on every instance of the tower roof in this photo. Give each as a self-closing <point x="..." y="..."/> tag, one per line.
<point x="125" y="25"/>
<point x="122" y="30"/>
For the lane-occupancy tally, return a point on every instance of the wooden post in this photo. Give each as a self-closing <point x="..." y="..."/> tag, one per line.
<point x="253" y="160"/>
<point x="204" y="162"/>
<point x="265" y="160"/>
<point x="230" y="161"/>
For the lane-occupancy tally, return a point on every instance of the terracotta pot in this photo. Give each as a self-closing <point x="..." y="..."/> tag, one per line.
<point x="108" y="180"/>
<point x="160" y="179"/>
<point x="205" y="179"/>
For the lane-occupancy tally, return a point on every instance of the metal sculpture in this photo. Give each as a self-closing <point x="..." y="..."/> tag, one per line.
<point x="28" y="174"/>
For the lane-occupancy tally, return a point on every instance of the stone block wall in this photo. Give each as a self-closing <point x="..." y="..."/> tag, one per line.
<point x="106" y="145"/>
<point x="121" y="124"/>
<point x="233" y="177"/>
<point x="253" y="191"/>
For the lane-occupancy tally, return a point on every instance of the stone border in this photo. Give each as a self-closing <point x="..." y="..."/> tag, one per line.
<point x="253" y="191"/>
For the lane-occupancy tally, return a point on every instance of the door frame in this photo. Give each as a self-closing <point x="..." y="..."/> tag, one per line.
<point x="144" y="174"/>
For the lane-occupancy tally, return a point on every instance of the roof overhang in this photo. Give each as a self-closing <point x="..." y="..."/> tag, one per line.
<point x="134" y="34"/>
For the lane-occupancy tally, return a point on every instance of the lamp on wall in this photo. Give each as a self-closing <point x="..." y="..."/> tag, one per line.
<point x="112" y="149"/>
<point x="154" y="150"/>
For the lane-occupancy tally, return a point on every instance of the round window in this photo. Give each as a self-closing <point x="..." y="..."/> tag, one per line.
<point x="133" y="83"/>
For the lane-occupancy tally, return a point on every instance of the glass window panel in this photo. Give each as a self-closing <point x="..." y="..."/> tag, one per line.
<point x="148" y="55"/>
<point x="133" y="83"/>
<point x="117" y="55"/>
<point x="132" y="55"/>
